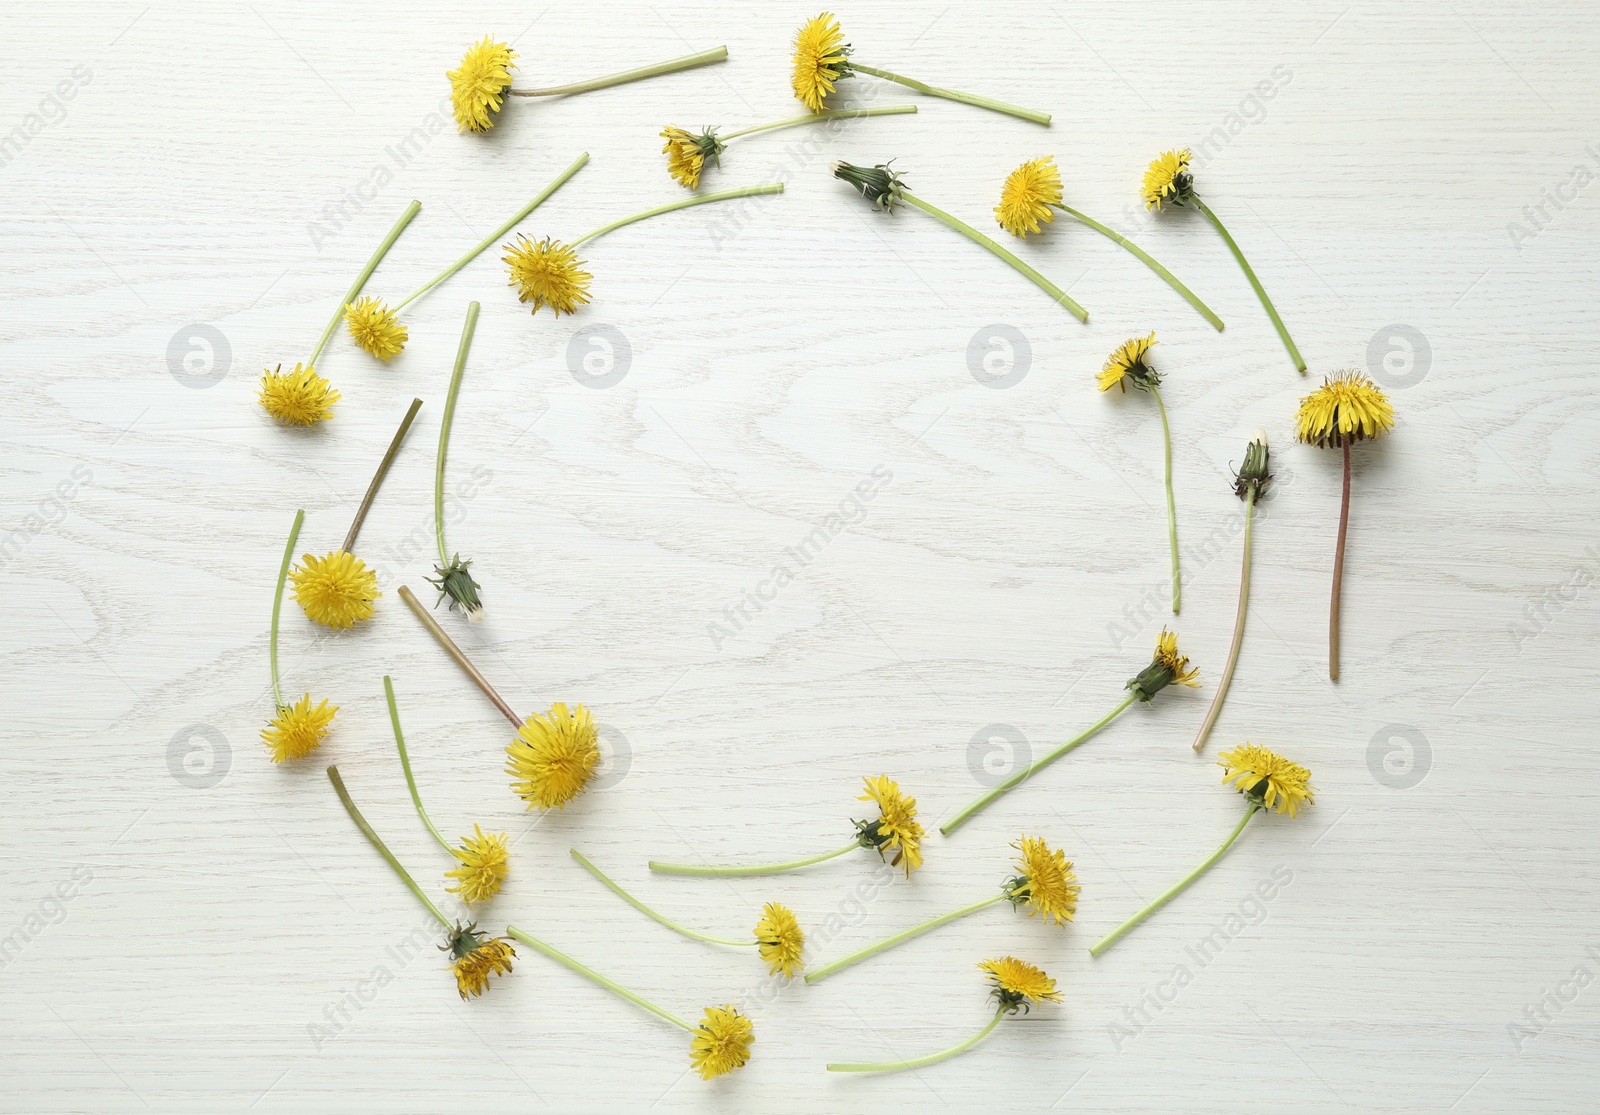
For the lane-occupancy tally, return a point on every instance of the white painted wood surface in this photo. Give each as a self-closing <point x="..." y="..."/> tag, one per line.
<point x="780" y="353"/>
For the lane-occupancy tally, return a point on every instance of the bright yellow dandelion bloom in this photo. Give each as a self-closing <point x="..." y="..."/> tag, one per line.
<point x="1167" y="180"/>
<point x="374" y="327"/>
<point x="1044" y="881"/>
<point x="298" y="729"/>
<point x="477" y="84"/>
<point x="1028" y="197"/>
<point x="721" y="1042"/>
<point x="297" y="398"/>
<point x="477" y="957"/>
<point x="780" y="939"/>
<point x="1128" y="361"/>
<point x="896" y="828"/>
<point x="547" y="273"/>
<point x="820" y="59"/>
<point x="1176" y="664"/>
<point x="1347" y="407"/>
<point x="483" y="866"/>
<point x="553" y="756"/>
<point x="686" y="155"/>
<point x="336" y="591"/>
<point x="1018" y="983"/>
<point x="1269" y="779"/>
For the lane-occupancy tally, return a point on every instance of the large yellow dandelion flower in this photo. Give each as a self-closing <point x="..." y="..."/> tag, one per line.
<point x="1018" y="983"/>
<point x="896" y="828"/>
<point x="374" y="327"/>
<point x="553" y="756"/>
<point x="1269" y="780"/>
<point x="483" y="866"/>
<point x="780" y="939"/>
<point x="1129" y="361"/>
<point x="547" y="273"/>
<point x="1167" y="180"/>
<point x="478" y="956"/>
<point x="1347" y="407"/>
<point x="1028" y="196"/>
<point x="477" y="84"/>
<point x="298" y="729"/>
<point x="721" y="1042"/>
<point x="336" y="591"/>
<point x="820" y="58"/>
<point x="1044" y="881"/>
<point x="297" y="398"/>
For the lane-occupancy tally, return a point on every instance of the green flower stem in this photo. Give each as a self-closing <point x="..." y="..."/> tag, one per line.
<point x="682" y="203"/>
<point x="889" y="942"/>
<point x="377" y="477"/>
<point x="952" y="95"/>
<point x="977" y="237"/>
<point x="932" y="1058"/>
<point x="1272" y="311"/>
<point x="813" y="117"/>
<point x="277" y="605"/>
<point x="383" y="850"/>
<point x="405" y="765"/>
<point x="1338" y="569"/>
<point x="1027" y="772"/>
<point x="1172" y="507"/>
<point x="361" y="280"/>
<point x="647" y="911"/>
<point x="516" y="218"/>
<point x="763" y="869"/>
<point x="1177" y="889"/>
<point x="458" y="654"/>
<point x="444" y="428"/>
<point x="1238" y="623"/>
<point x="584" y="970"/>
<point x="1144" y="256"/>
<point x="688" y="62"/>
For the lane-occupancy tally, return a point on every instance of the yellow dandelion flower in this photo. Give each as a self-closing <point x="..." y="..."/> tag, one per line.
<point x="1018" y="983"/>
<point x="1167" y="180"/>
<point x="478" y="83"/>
<point x="547" y="273"/>
<point x="553" y="756"/>
<point x="336" y="591"/>
<point x="1028" y="196"/>
<point x="820" y="59"/>
<point x="896" y="828"/>
<point x="1347" y="407"/>
<point x="1045" y="881"/>
<point x="721" y="1042"/>
<point x="297" y="398"/>
<point x="478" y="956"/>
<point x="780" y="939"/>
<point x="298" y="729"/>
<point x="1270" y="780"/>
<point x="1127" y="362"/>
<point x="483" y="866"/>
<point x="687" y="153"/>
<point x="1176" y="664"/>
<point x="374" y="327"/>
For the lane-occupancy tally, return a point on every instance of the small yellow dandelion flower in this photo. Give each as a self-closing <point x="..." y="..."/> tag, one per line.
<point x="297" y="398"/>
<point x="1167" y="180"/>
<point x="1167" y="667"/>
<point x="896" y="828"/>
<point x="780" y="939"/>
<point x="547" y="273"/>
<point x="687" y="153"/>
<point x="1018" y="983"/>
<point x="721" y="1042"/>
<point x="1129" y="361"/>
<point x="477" y="84"/>
<point x="298" y="729"/>
<point x="336" y="591"/>
<point x="553" y="756"/>
<point x="1347" y="407"/>
<point x="374" y="327"/>
<point x="477" y="956"/>
<point x="1269" y="780"/>
<point x="820" y="59"/>
<point x="1028" y="196"/>
<point x="483" y="866"/>
<point x="1044" y="881"/>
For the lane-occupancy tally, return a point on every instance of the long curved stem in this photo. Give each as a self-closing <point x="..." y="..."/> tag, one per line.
<point x="953" y="95"/>
<point x="977" y="237"/>
<point x="813" y="117"/>
<point x="1172" y="507"/>
<point x="361" y="280"/>
<point x="1338" y="570"/>
<point x="889" y="942"/>
<point x="444" y="428"/>
<point x="1026" y="772"/>
<point x="1177" y="888"/>
<point x="918" y="1062"/>
<point x="383" y="849"/>
<point x="516" y="218"/>
<point x="458" y="654"/>
<point x="1238" y="623"/>
<point x="405" y="765"/>
<point x="1249" y="273"/>
<point x="681" y="203"/>
<point x="647" y="911"/>
<point x="377" y="477"/>
<point x="277" y="605"/>
<point x="1189" y="296"/>
<point x="762" y="869"/>
<point x="584" y="970"/>
<point x="687" y="62"/>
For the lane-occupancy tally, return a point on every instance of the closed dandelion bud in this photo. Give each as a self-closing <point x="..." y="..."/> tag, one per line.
<point x="454" y="581"/>
<point x="1253" y="474"/>
<point x="878" y="184"/>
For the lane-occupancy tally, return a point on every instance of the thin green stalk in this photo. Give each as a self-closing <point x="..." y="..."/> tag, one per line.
<point x="377" y="477"/>
<point x="516" y="218"/>
<point x="444" y="428"/>
<point x="647" y="911"/>
<point x="361" y="280"/>
<point x="1026" y="772"/>
<point x="383" y="849"/>
<point x="1249" y="273"/>
<point x="1172" y="507"/>
<point x="277" y="606"/>
<point x="813" y="117"/>
<point x="953" y="95"/>
<point x="681" y="203"/>
<point x="1177" y="889"/>
<point x="458" y="654"/>
<point x="915" y="931"/>
<point x="1144" y="256"/>
<point x="977" y="237"/>
<point x="763" y="869"/>
<point x="1238" y="623"/>
<point x="688" y="62"/>
<point x="405" y="765"/>
<point x="585" y="970"/>
<point x="932" y="1058"/>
